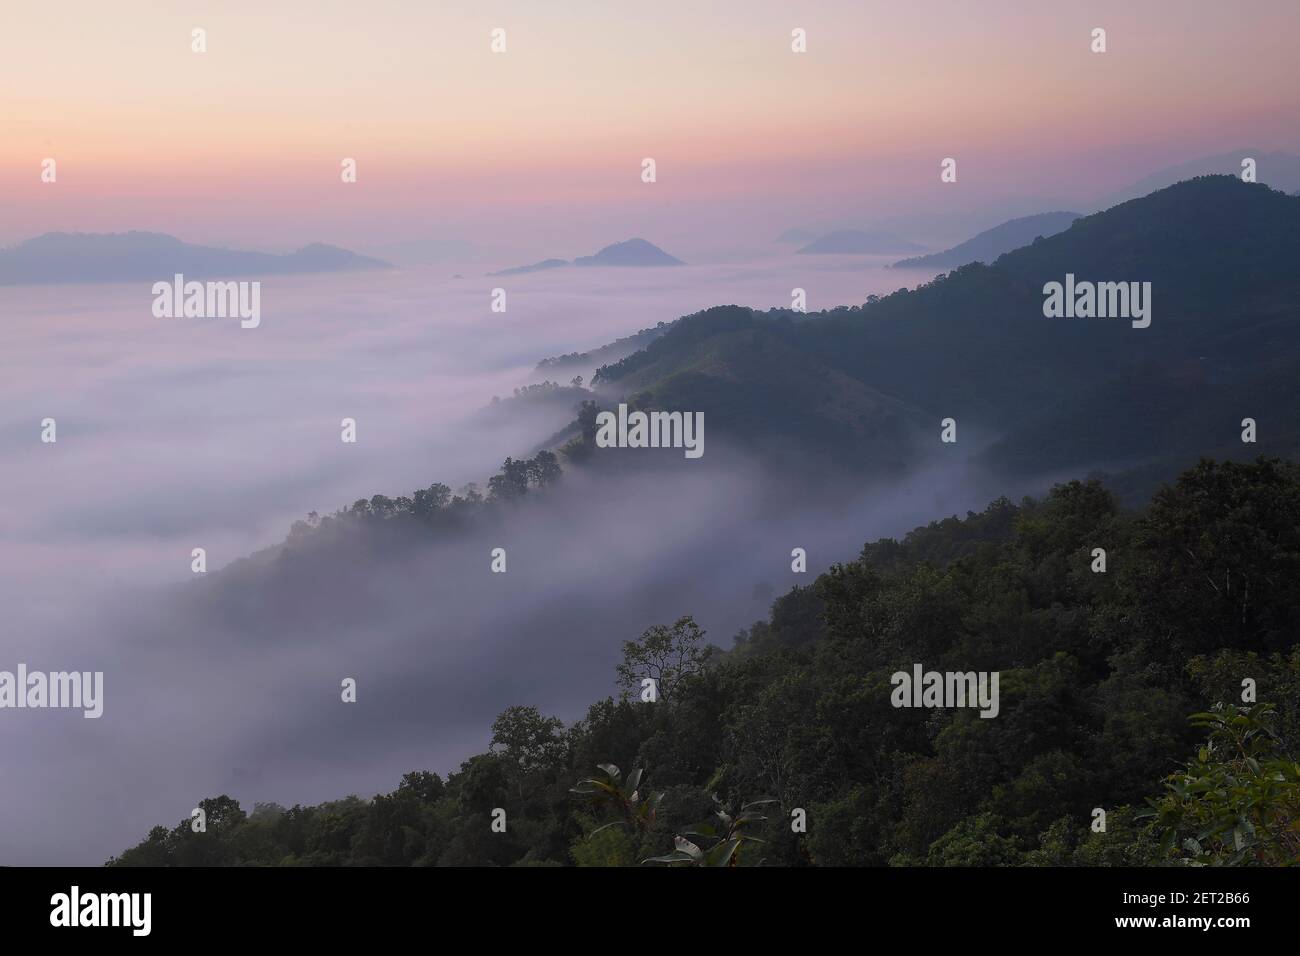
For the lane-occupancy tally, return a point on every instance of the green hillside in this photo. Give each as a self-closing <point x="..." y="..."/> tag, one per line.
<point x="871" y="383"/>
<point x="1099" y="673"/>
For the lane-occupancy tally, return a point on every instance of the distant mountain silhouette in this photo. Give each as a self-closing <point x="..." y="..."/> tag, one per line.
<point x="859" y="242"/>
<point x="991" y="243"/>
<point x="796" y="237"/>
<point x="57" y="257"/>
<point x="535" y="267"/>
<point x="1279" y="170"/>
<point x="633" y="252"/>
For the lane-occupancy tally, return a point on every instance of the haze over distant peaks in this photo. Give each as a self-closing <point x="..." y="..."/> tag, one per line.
<point x="1279" y="170"/>
<point x="633" y="252"/>
<point x="535" y="267"/>
<point x="418" y="252"/>
<point x="120" y="256"/>
<point x="859" y="242"/>
<point x="864" y="385"/>
<point x="991" y="243"/>
<point x="796" y="237"/>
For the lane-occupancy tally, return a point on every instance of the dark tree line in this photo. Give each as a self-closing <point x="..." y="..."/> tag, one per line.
<point x="436" y="504"/>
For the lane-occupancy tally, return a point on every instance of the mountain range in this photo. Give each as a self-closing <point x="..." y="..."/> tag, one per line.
<point x="991" y="243"/>
<point x="867" y="386"/>
<point x="1279" y="170"/>
<point x="1099" y="671"/>
<point x="121" y="256"/>
<point x="796" y="237"/>
<point x="858" y="242"/>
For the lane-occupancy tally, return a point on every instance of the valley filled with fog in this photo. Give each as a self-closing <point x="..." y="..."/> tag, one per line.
<point x="175" y="434"/>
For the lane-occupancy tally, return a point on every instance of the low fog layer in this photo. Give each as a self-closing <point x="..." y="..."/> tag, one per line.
<point x="175" y="434"/>
<point x="181" y="433"/>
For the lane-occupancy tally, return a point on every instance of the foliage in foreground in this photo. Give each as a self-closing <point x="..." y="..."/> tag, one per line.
<point x="1238" y="801"/>
<point x="1098" y="674"/>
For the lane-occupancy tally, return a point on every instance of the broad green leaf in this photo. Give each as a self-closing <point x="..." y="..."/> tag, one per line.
<point x="686" y="846"/>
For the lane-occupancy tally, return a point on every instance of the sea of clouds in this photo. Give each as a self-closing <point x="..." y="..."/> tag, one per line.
<point x="182" y="433"/>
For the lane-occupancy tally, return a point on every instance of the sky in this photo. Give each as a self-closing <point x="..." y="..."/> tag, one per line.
<point x="540" y="147"/>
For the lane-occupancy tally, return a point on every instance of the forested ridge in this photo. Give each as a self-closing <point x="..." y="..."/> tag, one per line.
<point x="1164" y="692"/>
<point x="866" y="386"/>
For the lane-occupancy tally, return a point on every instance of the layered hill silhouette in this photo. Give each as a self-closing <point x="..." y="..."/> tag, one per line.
<point x="991" y="243"/>
<point x="532" y="267"/>
<point x="1279" y="170"/>
<point x="858" y="242"/>
<point x="57" y="257"/>
<point x="865" y="386"/>
<point x="795" y="237"/>
<point x="631" y="252"/>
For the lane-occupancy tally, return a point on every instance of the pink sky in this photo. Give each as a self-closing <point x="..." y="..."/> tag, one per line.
<point x="242" y="144"/>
